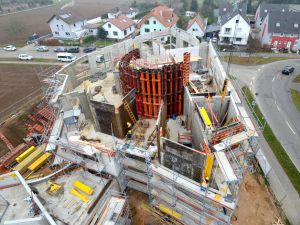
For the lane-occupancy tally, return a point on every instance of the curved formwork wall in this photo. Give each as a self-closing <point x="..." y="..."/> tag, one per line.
<point x="153" y="85"/>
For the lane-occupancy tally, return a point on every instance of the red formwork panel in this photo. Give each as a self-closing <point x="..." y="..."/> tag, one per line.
<point x="153" y="85"/>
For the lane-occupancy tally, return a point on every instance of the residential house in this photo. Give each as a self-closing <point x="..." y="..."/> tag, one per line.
<point x="130" y="12"/>
<point x="225" y="7"/>
<point x="235" y="28"/>
<point x="265" y="8"/>
<point x="114" y="13"/>
<point x="197" y="26"/>
<point x="159" y="18"/>
<point x="92" y="28"/>
<point x="190" y="14"/>
<point x="281" y="30"/>
<point x="120" y="27"/>
<point x="127" y="11"/>
<point x="67" y="26"/>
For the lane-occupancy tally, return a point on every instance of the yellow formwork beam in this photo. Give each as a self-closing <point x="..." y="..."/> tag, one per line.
<point x="170" y="212"/>
<point x="22" y="166"/>
<point x="205" y="117"/>
<point x="39" y="162"/>
<point x="25" y="154"/>
<point x="83" y="187"/>
<point x="208" y="166"/>
<point x="76" y="193"/>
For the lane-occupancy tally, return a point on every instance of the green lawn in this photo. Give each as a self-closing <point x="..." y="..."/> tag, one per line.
<point x="103" y="43"/>
<point x="296" y="98"/>
<point x="278" y="150"/>
<point x="297" y="79"/>
<point x="254" y="60"/>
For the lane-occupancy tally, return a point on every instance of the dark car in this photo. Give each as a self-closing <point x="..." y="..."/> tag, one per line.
<point x="73" y="50"/>
<point x="89" y="49"/>
<point x="60" y="49"/>
<point x="287" y="70"/>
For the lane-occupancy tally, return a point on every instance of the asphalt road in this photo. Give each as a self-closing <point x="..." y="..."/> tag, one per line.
<point x="275" y="101"/>
<point x="30" y="50"/>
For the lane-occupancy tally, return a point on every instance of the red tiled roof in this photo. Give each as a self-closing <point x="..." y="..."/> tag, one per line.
<point x="122" y="22"/>
<point x="163" y="14"/>
<point x="199" y="21"/>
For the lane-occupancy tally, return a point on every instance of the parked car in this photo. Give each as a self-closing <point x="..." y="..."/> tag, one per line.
<point x="89" y="49"/>
<point x="288" y="70"/>
<point x="73" y="50"/>
<point x="60" y="49"/>
<point x="100" y="59"/>
<point x="66" y="57"/>
<point x="25" y="57"/>
<point x="42" y="48"/>
<point x="10" y="48"/>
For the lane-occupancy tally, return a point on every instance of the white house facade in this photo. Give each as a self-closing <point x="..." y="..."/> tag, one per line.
<point x="67" y="26"/>
<point x="234" y="30"/>
<point x="151" y="25"/>
<point x="119" y="28"/>
<point x="159" y="18"/>
<point x="197" y="27"/>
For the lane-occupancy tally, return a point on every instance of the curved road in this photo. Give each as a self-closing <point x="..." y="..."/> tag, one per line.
<point x="275" y="101"/>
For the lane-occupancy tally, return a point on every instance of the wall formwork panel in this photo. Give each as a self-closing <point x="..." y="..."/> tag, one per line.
<point x="153" y="85"/>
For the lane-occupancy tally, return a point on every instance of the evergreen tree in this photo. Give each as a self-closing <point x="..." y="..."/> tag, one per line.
<point x="194" y="6"/>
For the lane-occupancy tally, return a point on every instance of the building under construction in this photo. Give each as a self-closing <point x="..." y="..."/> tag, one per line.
<point x="160" y="119"/>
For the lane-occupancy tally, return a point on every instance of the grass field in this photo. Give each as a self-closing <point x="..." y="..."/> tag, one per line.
<point x="278" y="150"/>
<point x="254" y="60"/>
<point x="296" y="98"/>
<point x="297" y="79"/>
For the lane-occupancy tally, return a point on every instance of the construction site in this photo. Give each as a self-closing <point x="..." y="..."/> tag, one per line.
<point x="153" y="118"/>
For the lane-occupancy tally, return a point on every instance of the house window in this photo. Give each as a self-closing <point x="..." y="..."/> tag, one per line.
<point x="227" y="30"/>
<point x="130" y="28"/>
<point x="74" y="25"/>
<point x="154" y="29"/>
<point x="109" y="25"/>
<point x="237" y="21"/>
<point x="56" y="32"/>
<point x="115" y="33"/>
<point x="57" y="25"/>
<point x="154" y="21"/>
<point x="125" y="32"/>
<point x="147" y="30"/>
<point x="91" y="31"/>
<point x="147" y="22"/>
<point x="277" y="24"/>
<point x="67" y="33"/>
<point x="238" y="39"/>
<point x="296" y="25"/>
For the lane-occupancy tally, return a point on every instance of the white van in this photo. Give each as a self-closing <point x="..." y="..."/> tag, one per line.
<point x="66" y="57"/>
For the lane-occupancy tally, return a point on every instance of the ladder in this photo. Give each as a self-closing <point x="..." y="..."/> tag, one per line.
<point x="6" y="141"/>
<point x="130" y="113"/>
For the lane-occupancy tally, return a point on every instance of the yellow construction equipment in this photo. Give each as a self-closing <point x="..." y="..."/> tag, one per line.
<point x="39" y="162"/>
<point x="22" y="166"/>
<point x="224" y="89"/>
<point x="76" y="193"/>
<point x="83" y="187"/>
<point x="25" y="154"/>
<point x="54" y="188"/>
<point x="170" y="212"/>
<point x="85" y="86"/>
<point x="205" y="117"/>
<point x="208" y="166"/>
<point x="130" y="113"/>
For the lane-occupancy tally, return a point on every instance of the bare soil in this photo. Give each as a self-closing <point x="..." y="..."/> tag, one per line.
<point x="17" y="82"/>
<point x="256" y="205"/>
